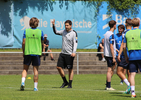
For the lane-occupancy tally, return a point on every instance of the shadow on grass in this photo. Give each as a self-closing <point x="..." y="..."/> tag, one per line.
<point x="56" y="87"/>
<point x="23" y="90"/>
<point x="119" y="94"/>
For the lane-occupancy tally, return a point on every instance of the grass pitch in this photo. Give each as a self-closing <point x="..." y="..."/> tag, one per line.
<point x="85" y="87"/>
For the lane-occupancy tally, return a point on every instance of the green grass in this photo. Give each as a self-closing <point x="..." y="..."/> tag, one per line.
<point x="53" y="50"/>
<point x="85" y="87"/>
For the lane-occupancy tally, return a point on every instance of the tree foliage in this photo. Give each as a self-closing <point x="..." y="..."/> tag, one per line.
<point x="127" y="7"/>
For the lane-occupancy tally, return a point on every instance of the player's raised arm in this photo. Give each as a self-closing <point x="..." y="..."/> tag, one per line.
<point x="54" y="29"/>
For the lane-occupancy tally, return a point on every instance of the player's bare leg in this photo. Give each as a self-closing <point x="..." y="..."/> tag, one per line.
<point x="24" y="74"/>
<point x="62" y="74"/>
<point x="35" y="69"/>
<point x="70" y="77"/>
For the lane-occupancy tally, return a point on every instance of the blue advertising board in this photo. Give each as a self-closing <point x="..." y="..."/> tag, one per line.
<point x="78" y="12"/>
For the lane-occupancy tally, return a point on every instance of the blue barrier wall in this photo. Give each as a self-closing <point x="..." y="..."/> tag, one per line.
<point x="81" y="15"/>
<point x="15" y="16"/>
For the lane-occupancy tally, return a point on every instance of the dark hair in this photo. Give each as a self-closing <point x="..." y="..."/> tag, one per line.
<point x="112" y="23"/>
<point x="129" y="22"/>
<point x="121" y="26"/>
<point x="68" y="21"/>
<point x="33" y="22"/>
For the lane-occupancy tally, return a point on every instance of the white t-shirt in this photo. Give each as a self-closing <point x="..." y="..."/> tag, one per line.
<point x="109" y="39"/>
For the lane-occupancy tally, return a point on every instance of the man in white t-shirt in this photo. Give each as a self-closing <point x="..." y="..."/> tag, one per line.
<point x="110" y="53"/>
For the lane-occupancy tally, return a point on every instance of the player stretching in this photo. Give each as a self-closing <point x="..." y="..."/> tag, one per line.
<point x="110" y="53"/>
<point x="32" y="50"/>
<point x="133" y="42"/>
<point x="66" y="57"/>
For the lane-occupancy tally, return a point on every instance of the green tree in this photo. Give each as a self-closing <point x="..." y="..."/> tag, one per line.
<point x="127" y="7"/>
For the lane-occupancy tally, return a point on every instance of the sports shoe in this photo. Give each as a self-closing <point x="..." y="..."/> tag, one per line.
<point x="103" y="59"/>
<point x="69" y="86"/>
<point x="121" y="83"/>
<point x="133" y="96"/>
<point x="22" y="86"/>
<point x="109" y="88"/>
<point x="128" y="90"/>
<point x="52" y="59"/>
<point x="63" y="85"/>
<point x="35" y="89"/>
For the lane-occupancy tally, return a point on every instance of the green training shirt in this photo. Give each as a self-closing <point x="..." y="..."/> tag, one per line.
<point x="33" y="42"/>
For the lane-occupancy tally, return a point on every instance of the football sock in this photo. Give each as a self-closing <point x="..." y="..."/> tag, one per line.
<point x="23" y="79"/>
<point x="121" y="80"/>
<point x="64" y="79"/>
<point x="35" y="84"/>
<point x="70" y="82"/>
<point x="108" y="85"/>
<point x="126" y="82"/>
<point x="133" y="90"/>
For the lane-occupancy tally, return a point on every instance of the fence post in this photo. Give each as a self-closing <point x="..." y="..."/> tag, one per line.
<point x="77" y="63"/>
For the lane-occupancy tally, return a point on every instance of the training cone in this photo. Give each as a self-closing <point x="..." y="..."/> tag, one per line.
<point x="29" y="78"/>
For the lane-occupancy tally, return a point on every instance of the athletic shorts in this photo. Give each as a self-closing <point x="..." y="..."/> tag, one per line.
<point x="123" y="63"/>
<point x="65" y="61"/>
<point x="134" y="65"/>
<point x="34" y="59"/>
<point x="109" y="61"/>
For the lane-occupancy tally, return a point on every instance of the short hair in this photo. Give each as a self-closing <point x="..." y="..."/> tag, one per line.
<point x="68" y="21"/>
<point x="112" y="23"/>
<point x="121" y="26"/>
<point x="135" y="22"/>
<point x="33" y="22"/>
<point x="128" y="22"/>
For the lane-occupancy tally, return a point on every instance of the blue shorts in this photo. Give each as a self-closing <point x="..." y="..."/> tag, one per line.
<point x="109" y="61"/>
<point x="123" y="63"/>
<point x="134" y="65"/>
<point x="34" y="59"/>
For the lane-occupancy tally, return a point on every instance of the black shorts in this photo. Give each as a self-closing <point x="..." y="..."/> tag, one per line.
<point x="123" y="63"/>
<point x="34" y="59"/>
<point x="65" y="61"/>
<point x="109" y="61"/>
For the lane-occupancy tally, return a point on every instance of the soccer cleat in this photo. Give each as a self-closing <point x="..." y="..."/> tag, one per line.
<point x="35" y="89"/>
<point x="128" y="90"/>
<point x="111" y="89"/>
<point x="63" y="85"/>
<point x="121" y="83"/>
<point x="133" y="96"/>
<point x="22" y="86"/>
<point x="69" y="86"/>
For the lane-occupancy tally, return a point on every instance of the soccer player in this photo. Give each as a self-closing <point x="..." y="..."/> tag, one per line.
<point x="133" y="40"/>
<point x="128" y="26"/>
<point x="122" y="64"/>
<point x="66" y="57"/>
<point x="32" y="50"/>
<point x="46" y="48"/>
<point x="110" y="53"/>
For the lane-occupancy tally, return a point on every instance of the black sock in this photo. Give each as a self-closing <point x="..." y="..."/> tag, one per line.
<point x="70" y="82"/>
<point x="108" y="84"/>
<point x="64" y="79"/>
